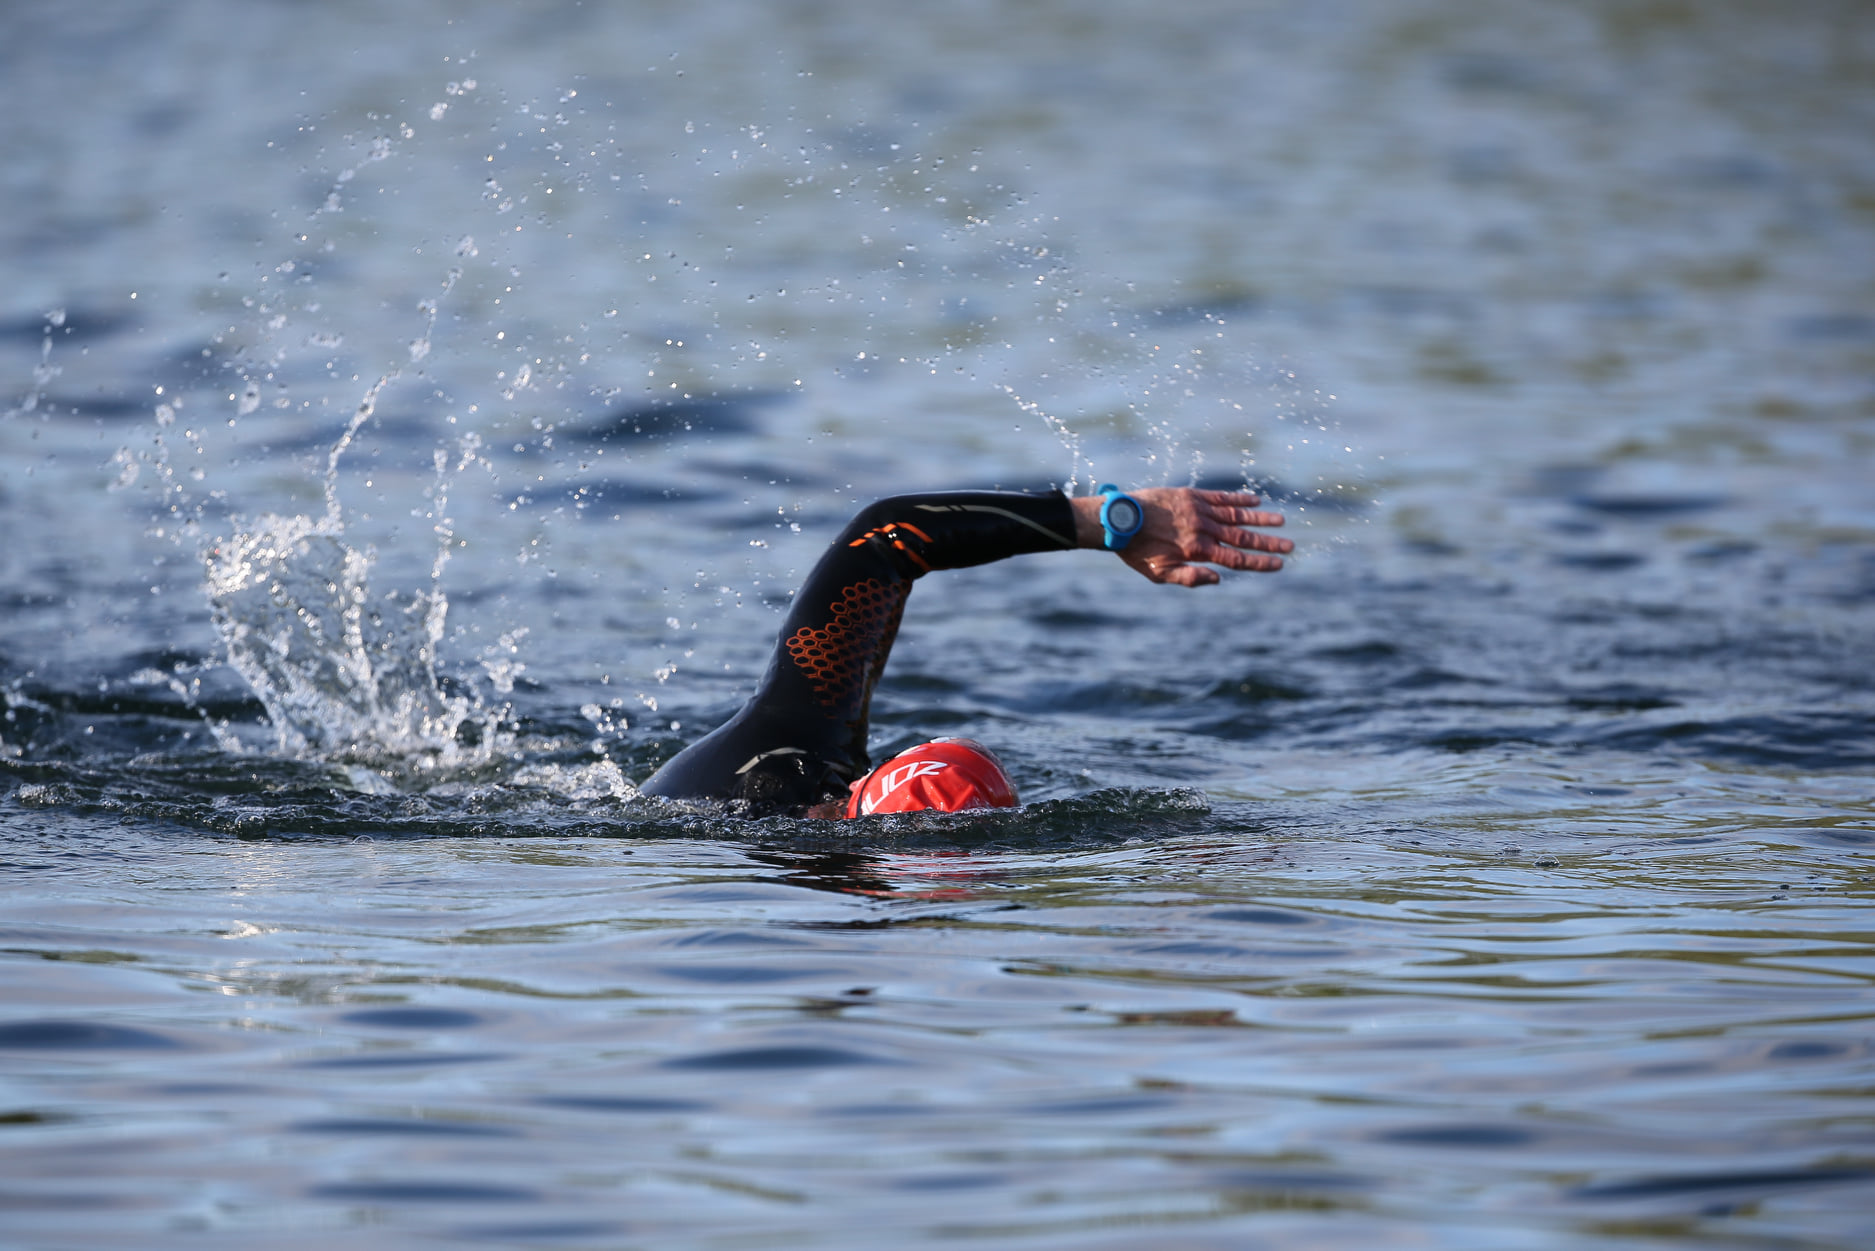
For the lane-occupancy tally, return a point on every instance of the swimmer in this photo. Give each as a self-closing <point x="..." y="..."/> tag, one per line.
<point x="798" y="747"/>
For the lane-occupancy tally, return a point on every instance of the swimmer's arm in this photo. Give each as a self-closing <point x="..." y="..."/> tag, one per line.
<point x="1185" y="526"/>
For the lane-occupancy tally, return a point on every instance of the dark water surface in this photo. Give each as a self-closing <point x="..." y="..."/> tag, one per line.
<point x="415" y="418"/>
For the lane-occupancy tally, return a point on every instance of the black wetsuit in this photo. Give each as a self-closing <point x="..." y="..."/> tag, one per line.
<point x="801" y="739"/>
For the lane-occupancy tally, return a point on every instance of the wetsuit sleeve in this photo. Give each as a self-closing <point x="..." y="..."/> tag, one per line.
<point x="801" y="738"/>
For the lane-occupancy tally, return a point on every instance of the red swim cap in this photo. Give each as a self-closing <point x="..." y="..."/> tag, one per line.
<point x="948" y="774"/>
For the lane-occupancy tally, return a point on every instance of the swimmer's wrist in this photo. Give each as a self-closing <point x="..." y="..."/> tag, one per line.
<point x="1087" y="531"/>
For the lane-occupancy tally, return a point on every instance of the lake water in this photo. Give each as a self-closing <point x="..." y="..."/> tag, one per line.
<point x="1495" y="876"/>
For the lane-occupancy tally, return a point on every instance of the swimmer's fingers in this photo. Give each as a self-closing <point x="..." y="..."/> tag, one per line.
<point x="1244" y="517"/>
<point x="1234" y="557"/>
<point x="1186" y="563"/>
<point x="1231" y="526"/>
<point x="1250" y="562"/>
<point x="1251" y="540"/>
<point x="1223" y="515"/>
<point x="1226" y="499"/>
<point x="1233" y="508"/>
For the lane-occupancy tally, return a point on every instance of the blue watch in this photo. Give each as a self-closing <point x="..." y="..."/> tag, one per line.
<point x="1120" y="516"/>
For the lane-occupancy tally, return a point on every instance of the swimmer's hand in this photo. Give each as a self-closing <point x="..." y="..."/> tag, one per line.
<point x="1187" y="531"/>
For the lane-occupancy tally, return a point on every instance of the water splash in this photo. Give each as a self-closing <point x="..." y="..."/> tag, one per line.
<point x="44" y="372"/>
<point x="350" y="676"/>
<point x="1070" y="439"/>
<point x="342" y="676"/>
<point x="346" y="676"/>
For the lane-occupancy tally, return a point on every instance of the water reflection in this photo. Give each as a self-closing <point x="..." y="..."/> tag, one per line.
<point x="934" y="877"/>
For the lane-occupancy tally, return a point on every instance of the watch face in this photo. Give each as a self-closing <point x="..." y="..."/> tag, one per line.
<point x="1123" y="516"/>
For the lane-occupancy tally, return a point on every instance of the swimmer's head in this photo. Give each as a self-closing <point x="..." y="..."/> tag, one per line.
<point x="946" y="774"/>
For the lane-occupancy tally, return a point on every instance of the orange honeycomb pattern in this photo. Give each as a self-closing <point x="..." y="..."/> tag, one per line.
<point x="839" y="660"/>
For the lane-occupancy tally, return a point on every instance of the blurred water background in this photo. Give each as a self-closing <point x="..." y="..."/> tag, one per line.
<point x="417" y="414"/>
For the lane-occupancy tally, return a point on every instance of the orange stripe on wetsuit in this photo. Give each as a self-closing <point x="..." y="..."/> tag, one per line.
<point x="888" y="531"/>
